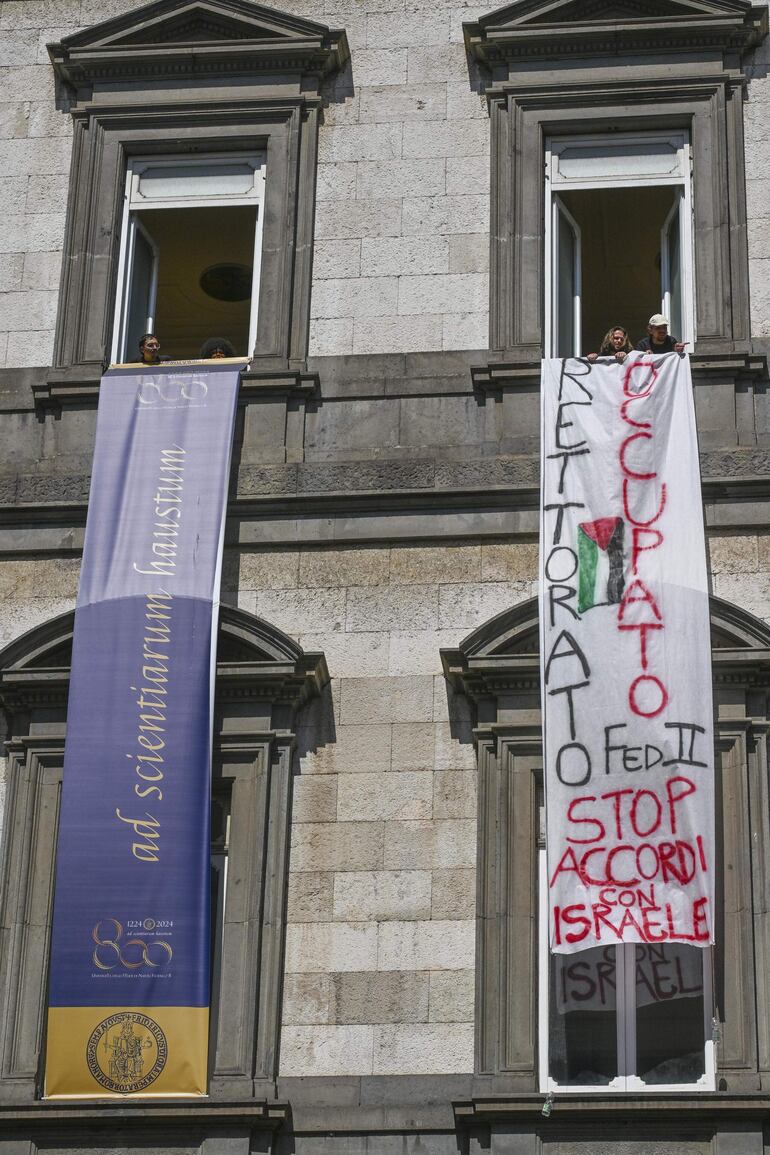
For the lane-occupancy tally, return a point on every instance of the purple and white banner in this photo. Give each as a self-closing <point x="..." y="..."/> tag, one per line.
<point x="626" y="657"/>
<point x="129" y="978"/>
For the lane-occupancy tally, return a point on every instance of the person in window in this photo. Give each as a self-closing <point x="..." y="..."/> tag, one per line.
<point x="216" y="348"/>
<point x="149" y="349"/>
<point x="658" y="339"/>
<point x="616" y="343"/>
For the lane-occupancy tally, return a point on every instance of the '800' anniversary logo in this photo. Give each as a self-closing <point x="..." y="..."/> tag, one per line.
<point x="171" y="392"/>
<point x="113" y="950"/>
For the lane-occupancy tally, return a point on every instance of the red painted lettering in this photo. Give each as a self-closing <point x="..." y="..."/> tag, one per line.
<point x="638" y="594"/>
<point x="616" y="796"/>
<point x="647" y="386"/>
<point x="637" y="549"/>
<point x="571" y="915"/>
<point x="656" y="815"/>
<point x="643" y="627"/>
<point x="627" y="470"/>
<point x="571" y="817"/>
<point x="627" y="505"/>
<point x="675" y="796"/>
<point x="647" y="686"/>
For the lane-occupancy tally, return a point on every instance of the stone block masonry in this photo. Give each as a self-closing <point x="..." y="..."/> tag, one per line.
<point x="382" y="884"/>
<point x="379" y="965"/>
<point x="757" y="143"/>
<point x="405" y="126"/>
<point x="415" y="130"/>
<point x="379" y="968"/>
<point x="402" y="211"/>
<point x="381" y="936"/>
<point x="34" y="160"/>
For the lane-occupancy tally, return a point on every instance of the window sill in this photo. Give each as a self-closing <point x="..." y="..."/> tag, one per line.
<point x="64" y="387"/>
<point x="264" y="1116"/>
<point x="612" y="1105"/>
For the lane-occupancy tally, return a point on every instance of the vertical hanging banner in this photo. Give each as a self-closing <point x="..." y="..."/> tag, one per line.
<point x="129" y="977"/>
<point x="626" y="657"/>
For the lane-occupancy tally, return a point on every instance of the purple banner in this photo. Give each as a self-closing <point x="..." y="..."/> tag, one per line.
<point x="129" y="979"/>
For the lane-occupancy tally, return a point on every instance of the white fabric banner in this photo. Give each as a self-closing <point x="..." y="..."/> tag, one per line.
<point x="662" y="973"/>
<point x="626" y="667"/>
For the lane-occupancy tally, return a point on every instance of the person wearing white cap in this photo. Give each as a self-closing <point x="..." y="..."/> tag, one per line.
<point x="659" y="339"/>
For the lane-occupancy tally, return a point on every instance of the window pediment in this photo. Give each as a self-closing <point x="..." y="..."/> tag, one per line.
<point x="196" y="27"/>
<point x="190" y="37"/>
<point x="254" y="659"/>
<point x="569" y="27"/>
<point x="502" y="655"/>
<point x="615" y="13"/>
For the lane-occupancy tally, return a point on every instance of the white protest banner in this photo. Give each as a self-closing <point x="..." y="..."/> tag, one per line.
<point x="626" y="659"/>
<point x="662" y="972"/>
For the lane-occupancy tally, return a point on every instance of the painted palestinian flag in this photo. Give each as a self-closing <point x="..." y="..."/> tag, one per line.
<point x="600" y="562"/>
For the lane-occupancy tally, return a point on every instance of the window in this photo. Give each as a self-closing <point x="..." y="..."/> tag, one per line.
<point x="263" y="680"/>
<point x="187" y="291"/>
<point x="624" y="1018"/>
<point x="628" y="1018"/>
<point x="561" y="71"/>
<point x="636" y="1019"/>
<point x="178" y="114"/>
<point x="618" y="238"/>
<point x="220" y="848"/>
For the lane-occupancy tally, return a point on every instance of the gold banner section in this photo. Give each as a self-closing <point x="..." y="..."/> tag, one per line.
<point x="114" y="1052"/>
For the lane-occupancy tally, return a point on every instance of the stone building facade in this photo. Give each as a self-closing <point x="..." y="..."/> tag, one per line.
<point x="378" y="702"/>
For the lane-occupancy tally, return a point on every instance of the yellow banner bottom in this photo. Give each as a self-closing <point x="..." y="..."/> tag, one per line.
<point x="112" y="1052"/>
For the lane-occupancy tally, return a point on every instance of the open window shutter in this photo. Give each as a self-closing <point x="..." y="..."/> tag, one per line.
<point x="141" y="288"/>
<point x="671" y="267"/>
<point x="567" y="282"/>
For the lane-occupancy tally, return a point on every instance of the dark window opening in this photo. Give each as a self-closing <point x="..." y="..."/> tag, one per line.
<point x="630" y="260"/>
<point x="173" y="286"/>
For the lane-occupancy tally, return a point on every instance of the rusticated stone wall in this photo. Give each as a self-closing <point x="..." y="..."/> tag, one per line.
<point x="402" y="214"/>
<point x="380" y="944"/>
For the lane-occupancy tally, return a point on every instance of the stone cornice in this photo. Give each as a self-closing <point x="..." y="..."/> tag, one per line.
<point x="257" y="662"/>
<point x="48" y="512"/>
<point x="729" y="474"/>
<point x="669" y="1112"/>
<point x="277" y="682"/>
<point x="186" y="39"/>
<point x="487" y="677"/>
<point x="256" y="383"/>
<point x="498" y="658"/>
<point x="503" y="674"/>
<point x="505" y="35"/>
<point x="263" y="1116"/>
<point x="59" y="387"/>
<point x="65" y="388"/>
<point x="705" y="367"/>
<point x="81" y="68"/>
<point x="273" y="682"/>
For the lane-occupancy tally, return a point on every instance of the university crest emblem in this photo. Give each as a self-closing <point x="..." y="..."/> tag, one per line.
<point x="126" y="1052"/>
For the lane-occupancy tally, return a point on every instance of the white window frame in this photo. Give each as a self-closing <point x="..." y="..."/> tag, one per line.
<point x="556" y="182"/>
<point x="134" y="203"/>
<point x="561" y="216"/>
<point x="677" y="210"/>
<point x="128" y="248"/>
<point x="220" y="860"/>
<point x="625" y="1022"/>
